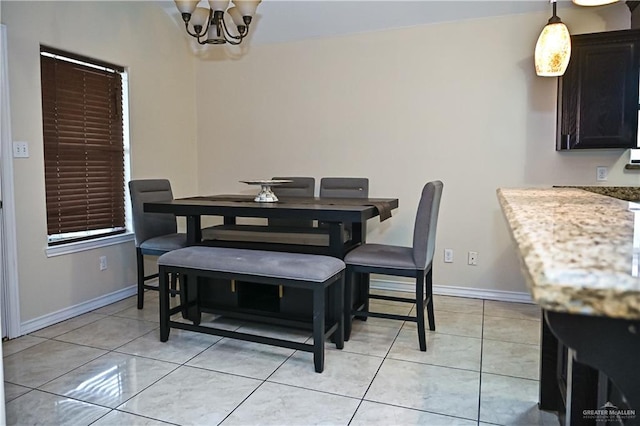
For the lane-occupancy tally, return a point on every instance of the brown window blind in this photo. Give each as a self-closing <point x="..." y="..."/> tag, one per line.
<point x="83" y="147"/>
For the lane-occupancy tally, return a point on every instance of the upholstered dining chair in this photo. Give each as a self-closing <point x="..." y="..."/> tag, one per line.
<point x="415" y="261"/>
<point x="299" y="187"/>
<point x="155" y="233"/>
<point x="344" y="187"/>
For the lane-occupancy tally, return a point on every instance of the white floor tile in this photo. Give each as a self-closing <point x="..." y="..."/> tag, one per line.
<point x="511" y="401"/>
<point x="440" y="390"/>
<point x="42" y="408"/>
<point x="242" y="358"/>
<point x="180" y="348"/>
<point x="512" y="310"/>
<point x="446" y="350"/>
<point x="344" y="373"/>
<point x="367" y="338"/>
<point x="68" y="325"/>
<point x="39" y="364"/>
<point x="108" y="333"/>
<point x="277" y="405"/>
<point x="375" y="414"/>
<point x="460" y="305"/>
<point x="511" y="359"/>
<point x="512" y="330"/>
<point x="119" y="418"/>
<point x="192" y="396"/>
<point x="13" y="346"/>
<point x="12" y="391"/>
<point x="469" y="325"/>
<point x="110" y="380"/>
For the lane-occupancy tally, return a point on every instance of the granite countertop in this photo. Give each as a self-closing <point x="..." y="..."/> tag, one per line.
<point x="628" y="193"/>
<point x="579" y="249"/>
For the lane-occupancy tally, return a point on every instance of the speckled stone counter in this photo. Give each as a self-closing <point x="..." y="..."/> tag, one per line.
<point x="628" y="193"/>
<point x="579" y="249"/>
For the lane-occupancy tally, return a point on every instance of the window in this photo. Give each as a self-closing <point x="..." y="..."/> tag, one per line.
<point x="84" y="146"/>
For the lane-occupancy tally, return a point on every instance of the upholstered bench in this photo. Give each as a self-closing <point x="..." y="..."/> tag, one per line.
<point x="322" y="275"/>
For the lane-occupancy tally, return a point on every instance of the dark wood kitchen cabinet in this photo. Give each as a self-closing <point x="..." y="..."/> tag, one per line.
<point x="598" y="94"/>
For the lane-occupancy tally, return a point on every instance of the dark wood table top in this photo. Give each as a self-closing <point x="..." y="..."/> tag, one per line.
<point x="326" y="209"/>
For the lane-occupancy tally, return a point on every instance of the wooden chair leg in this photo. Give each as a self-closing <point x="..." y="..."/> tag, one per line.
<point x="140" y="267"/>
<point x="365" y="289"/>
<point x="420" y="312"/>
<point x="184" y="299"/>
<point x="174" y="284"/>
<point x="429" y="290"/>
<point x="163" y="288"/>
<point x="318" y="328"/>
<point x="348" y="302"/>
<point x="190" y="292"/>
<point x="338" y="302"/>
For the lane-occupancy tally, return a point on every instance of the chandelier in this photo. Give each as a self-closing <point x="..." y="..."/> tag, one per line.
<point x="207" y="24"/>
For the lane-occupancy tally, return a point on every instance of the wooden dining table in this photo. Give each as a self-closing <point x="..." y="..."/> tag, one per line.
<point x="247" y="301"/>
<point x="334" y="213"/>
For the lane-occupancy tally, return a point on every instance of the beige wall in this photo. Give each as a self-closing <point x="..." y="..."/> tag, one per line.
<point x="456" y="101"/>
<point x="144" y="39"/>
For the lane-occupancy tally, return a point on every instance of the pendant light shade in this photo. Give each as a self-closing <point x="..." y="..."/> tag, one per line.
<point x="593" y="2"/>
<point x="553" y="49"/>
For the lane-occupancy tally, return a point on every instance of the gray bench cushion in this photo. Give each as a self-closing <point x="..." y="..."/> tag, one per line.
<point x="289" y="266"/>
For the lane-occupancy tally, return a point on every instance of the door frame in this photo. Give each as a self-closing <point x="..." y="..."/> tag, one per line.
<point x="10" y="299"/>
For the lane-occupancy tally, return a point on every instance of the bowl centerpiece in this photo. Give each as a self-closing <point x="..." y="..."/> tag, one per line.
<point x="266" y="194"/>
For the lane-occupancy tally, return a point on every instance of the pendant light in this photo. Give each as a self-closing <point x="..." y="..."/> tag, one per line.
<point x="593" y="2"/>
<point x="553" y="49"/>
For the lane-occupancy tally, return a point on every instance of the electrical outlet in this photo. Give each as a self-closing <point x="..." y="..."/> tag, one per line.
<point x="602" y="173"/>
<point x="103" y="263"/>
<point x="448" y="255"/>
<point x="473" y="258"/>
<point x="20" y="150"/>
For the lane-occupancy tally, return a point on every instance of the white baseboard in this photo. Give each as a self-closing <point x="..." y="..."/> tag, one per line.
<point x="474" y="293"/>
<point x="73" y="311"/>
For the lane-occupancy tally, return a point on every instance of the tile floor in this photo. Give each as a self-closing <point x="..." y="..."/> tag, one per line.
<point x="108" y="367"/>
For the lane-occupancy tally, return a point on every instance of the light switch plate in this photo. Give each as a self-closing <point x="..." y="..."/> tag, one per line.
<point x="20" y="150"/>
<point x="602" y="173"/>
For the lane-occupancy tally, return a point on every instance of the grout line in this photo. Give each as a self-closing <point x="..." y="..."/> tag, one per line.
<point x="377" y="371"/>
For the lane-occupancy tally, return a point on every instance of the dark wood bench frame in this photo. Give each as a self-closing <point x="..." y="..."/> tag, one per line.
<point x="331" y="289"/>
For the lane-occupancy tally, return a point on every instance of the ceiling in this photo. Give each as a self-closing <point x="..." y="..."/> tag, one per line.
<point x="280" y="21"/>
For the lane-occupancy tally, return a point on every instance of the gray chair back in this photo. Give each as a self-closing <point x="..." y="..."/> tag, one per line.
<point x="300" y="187"/>
<point x="424" y="232"/>
<point x="150" y="225"/>
<point x="344" y="187"/>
